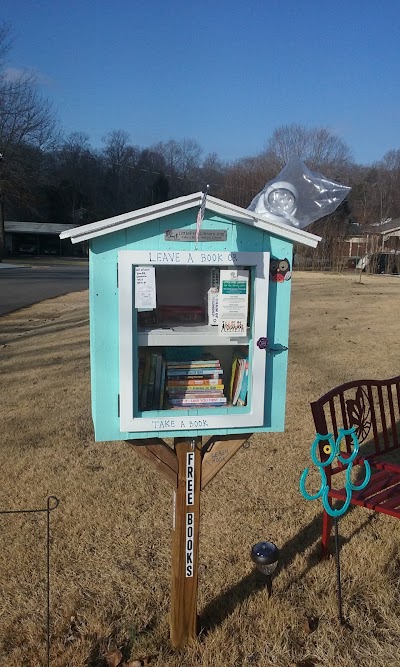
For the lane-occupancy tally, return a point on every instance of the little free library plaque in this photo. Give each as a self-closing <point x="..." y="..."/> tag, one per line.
<point x="190" y="235"/>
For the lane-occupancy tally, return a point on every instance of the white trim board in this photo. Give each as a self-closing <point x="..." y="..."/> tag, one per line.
<point x="127" y="260"/>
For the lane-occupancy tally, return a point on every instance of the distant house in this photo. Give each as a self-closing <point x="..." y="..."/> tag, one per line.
<point x="373" y="238"/>
<point x="36" y="238"/>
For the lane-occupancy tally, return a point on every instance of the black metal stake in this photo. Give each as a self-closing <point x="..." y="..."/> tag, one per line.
<point x="339" y="585"/>
<point x="52" y="503"/>
<point x="269" y="584"/>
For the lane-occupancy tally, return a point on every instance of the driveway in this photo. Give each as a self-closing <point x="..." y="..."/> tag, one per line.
<point x="23" y="285"/>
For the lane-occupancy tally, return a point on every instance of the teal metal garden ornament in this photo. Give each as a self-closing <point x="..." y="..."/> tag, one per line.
<point x="332" y="451"/>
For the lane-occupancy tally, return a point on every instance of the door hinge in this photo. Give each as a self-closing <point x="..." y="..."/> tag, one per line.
<point x="119" y="406"/>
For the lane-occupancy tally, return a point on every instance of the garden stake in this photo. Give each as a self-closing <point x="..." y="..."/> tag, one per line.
<point x="329" y="452"/>
<point x="339" y="585"/>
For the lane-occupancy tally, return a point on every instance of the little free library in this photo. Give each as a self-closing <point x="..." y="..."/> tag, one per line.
<point x="189" y="324"/>
<point x="188" y="331"/>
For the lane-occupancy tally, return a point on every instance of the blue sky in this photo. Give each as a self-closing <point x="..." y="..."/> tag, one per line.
<point x="225" y="73"/>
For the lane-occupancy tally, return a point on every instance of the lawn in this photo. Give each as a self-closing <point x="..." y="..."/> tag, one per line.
<point x="110" y="552"/>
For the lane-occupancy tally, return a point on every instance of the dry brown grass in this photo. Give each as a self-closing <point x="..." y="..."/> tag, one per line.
<point x="111" y="533"/>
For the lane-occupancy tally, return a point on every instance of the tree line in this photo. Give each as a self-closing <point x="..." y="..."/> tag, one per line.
<point x="48" y="177"/>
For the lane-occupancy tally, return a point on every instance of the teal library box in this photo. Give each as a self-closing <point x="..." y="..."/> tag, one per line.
<point x="189" y="326"/>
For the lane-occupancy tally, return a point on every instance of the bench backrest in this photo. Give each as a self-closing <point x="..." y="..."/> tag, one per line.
<point x="372" y="406"/>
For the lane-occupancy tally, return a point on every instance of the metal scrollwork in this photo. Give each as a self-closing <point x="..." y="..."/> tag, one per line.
<point x="359" y="412"/>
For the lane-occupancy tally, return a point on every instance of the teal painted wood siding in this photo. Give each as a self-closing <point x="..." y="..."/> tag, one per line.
<point x="104" y="320"/>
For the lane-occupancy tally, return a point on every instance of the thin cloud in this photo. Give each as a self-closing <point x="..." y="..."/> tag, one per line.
<point x="12" y="74"/>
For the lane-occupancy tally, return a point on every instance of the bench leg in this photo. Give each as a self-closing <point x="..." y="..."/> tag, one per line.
<point x="327" y="522"/>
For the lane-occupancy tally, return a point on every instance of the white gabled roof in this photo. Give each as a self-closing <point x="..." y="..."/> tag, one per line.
<point x="218" y="206"/>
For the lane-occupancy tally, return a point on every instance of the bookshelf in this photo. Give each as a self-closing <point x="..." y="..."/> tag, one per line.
<point x="187" y="335"/>
<point x="177" y="325"/>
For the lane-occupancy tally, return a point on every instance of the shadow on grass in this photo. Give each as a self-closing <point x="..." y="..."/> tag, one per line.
<point x="216" y="611"/>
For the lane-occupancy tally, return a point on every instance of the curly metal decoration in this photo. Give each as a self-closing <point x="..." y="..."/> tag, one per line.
<point x="333" y="450"/>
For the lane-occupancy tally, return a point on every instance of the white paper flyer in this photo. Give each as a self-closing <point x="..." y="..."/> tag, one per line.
<point x="145" y="287"/>
<point x="233" y="302"/>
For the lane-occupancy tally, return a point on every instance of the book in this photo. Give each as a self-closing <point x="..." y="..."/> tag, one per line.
<point x="205" y="360"/>
<point x="239" y="365"/>
<point x="233" y="378"/>
<point x="195" y="388"/>
<point x="242" y="398"/>
<point x="196" y="397"/>
<point x="145" y="380"/>
<point x="142" y="357"/>
<point x="208" y="406"/>
<point x="162" y="384"/>
<point x="213" y="382"/>
<point x="213" y="306"/>
<point x="194" y="364"/>
<point x="188" y="372"/>
<point x="157" y="383"/>
<point x="188" y="365"/>
<point x="150" y="385"/>
<point x="198" y="401"/>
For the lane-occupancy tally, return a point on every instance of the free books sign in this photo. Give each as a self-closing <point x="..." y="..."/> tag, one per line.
<point x="189" y="515"/>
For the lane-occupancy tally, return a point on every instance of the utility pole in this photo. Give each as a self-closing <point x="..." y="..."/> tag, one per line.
<point x="2" y="229"/>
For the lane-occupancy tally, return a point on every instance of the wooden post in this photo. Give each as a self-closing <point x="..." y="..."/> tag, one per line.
<point x="185" y="542"/>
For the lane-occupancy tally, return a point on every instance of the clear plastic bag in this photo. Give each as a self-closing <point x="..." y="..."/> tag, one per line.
<point x="298" y="196"/>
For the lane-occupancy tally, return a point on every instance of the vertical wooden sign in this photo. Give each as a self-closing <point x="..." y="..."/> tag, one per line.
<point x="185" y="542"/>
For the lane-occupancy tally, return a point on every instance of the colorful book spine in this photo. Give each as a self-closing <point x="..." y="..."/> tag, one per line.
<point x="234" y="378"/>
<point x="239" y="379"/>
<point x="203" y="364"/>
<point x="242" y="398"/>
<point x="214" y="372"/>
<point x="145" y="381"/>
<point x="196" y="383"/>
<point x="198" y="401"/>
<point x="152" y="376"/>
<point x="195" y="398"/>
<point x="217" y="388"/>
<point x="142" y="358"/>
<point x="162" y="384"/>
<point x="157" y="383"/>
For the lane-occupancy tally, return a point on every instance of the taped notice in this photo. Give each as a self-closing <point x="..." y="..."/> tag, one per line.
<point x="145" y="287"/>
<point x="233" y="302"/>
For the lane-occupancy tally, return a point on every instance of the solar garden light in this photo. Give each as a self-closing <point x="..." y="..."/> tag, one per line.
<point x="280" y="200"/>
<point x="265" y="556"/>
<point x="297" y="196"/>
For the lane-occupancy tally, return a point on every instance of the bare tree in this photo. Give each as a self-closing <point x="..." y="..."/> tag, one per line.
<point x="246" y="177"/>
<point x="26" y="119"/>
<point x="182" y="158"/>
<point x="317" y="146"/>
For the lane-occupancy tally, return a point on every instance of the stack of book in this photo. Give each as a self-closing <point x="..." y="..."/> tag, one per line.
<point x="151" y="380"/>
<point x="197" y="383"/>
<point x="239" y="379"/>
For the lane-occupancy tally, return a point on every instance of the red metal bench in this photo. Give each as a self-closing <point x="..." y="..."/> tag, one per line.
<point x="373" y="408"/>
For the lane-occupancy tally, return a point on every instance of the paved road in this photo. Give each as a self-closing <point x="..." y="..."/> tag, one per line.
<point x="22" y="286"/>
